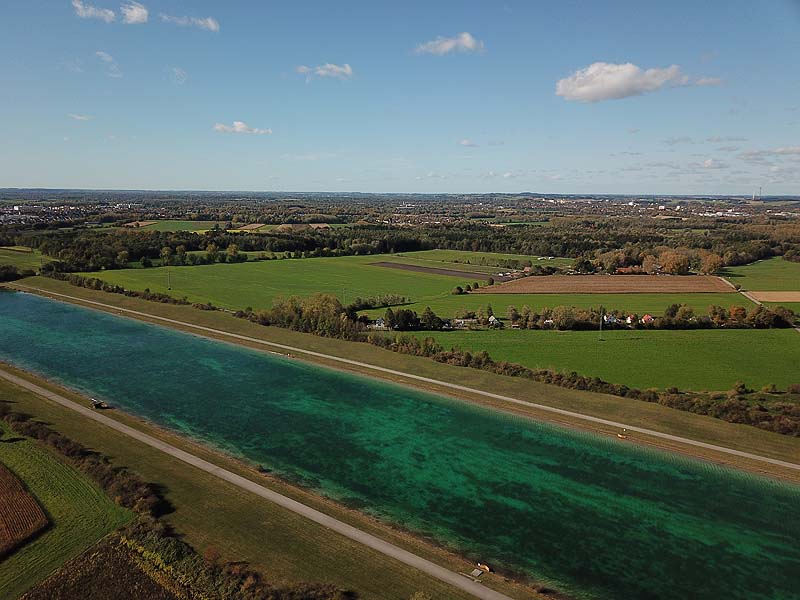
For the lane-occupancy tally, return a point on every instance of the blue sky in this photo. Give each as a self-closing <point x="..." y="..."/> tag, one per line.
<point x="617" y="97"/>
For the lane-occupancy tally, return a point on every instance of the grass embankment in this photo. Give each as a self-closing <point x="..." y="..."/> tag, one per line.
<point x="703" y="359"/>
<point x="632" y="412"/>
<point x="21" y="257"/>
<point x="210" y="512"/>
<point x="79" y="512"/>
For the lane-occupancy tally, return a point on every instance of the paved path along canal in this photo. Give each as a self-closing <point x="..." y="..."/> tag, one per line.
<point x="445" y="384"/>
<point x="459" y="581"/>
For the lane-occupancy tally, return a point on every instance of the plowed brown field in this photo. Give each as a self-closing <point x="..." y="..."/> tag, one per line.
<point x="20" y="514"/>
<point x="610" y="284"/>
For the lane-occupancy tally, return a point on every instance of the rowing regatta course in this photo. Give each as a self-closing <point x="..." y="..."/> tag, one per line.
<point x="596" y="517"/>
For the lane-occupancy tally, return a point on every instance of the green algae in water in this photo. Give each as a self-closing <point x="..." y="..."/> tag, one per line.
<point x="596" y="518"/>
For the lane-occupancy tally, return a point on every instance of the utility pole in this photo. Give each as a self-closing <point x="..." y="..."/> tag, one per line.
<point x="169" y="279"/>
<point x="602" y="313"/>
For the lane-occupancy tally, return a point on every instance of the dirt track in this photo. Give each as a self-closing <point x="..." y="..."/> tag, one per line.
<point x="610" y="284"/>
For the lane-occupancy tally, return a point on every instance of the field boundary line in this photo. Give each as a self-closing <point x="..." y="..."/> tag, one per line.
<point x="445" y="384"/>
<point x="442" y="574"/>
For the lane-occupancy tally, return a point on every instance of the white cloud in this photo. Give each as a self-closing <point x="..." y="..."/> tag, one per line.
<point x="634" y="130"/>
<point x="709" y="164"/>
<point x="703" y="81"/>
<point x="179" y="76"/>
<point x="609" y="81"/>
<point x="673" y="141"/>
<point x="468" y="143"/>
<point x="334" y="71"/>
<point x="241" y="127"/>
<point x="787" y="150"/>
<point x="80" y="117"/>
<point x="716" y="139"/>
<point x="87" y="11"/>
<point x="113" y="68"/>
<point x="134" y="13"/>
<point x="207" y="23"/>
<point x="463" y="42"/>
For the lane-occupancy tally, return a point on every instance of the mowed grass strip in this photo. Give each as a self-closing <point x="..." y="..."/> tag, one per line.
<point x="80" y="513"/>
<point x="691" y="360"/>
<point x="774" y="274"/>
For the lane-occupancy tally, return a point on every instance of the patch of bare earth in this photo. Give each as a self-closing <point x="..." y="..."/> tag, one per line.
<point x="776" y="296"/>
<point x="610" y="284"/>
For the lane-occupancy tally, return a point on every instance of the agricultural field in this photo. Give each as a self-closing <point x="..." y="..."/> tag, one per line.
<point x="698" y="360"/>
<point x="88" y="577"/>
<point x="182" y="225"/>
<point x="465" y="258"/>
<point x="774" y="274"/>
<point x="80" y="514"/>
<point x="22" y="257"/>
<point x="21" y="517"/>
<point x="255" y="284"/>
<point x="612" y="284"/>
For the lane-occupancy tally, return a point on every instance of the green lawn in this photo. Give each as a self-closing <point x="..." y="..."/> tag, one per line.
<point x="21" y="257"/>
<point x="80" y="514"/>
<point x="697" y="360"/>
<point x="774" y="274"/>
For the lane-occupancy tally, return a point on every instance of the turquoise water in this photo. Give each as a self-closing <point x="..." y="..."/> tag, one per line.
<point x="594" y="517"/>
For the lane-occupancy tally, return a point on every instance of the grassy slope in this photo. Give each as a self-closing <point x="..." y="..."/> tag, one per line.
<point x="697" y="360"/>
<point x="285" y="546"/>
<point x="21" y="260"/>
<point x="774" y="274"/>
<point x="80" y="514"/>
<point x="638" y="413"/>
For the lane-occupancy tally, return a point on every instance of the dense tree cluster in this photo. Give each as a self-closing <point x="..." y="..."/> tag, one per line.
<point x="676" y="316"/>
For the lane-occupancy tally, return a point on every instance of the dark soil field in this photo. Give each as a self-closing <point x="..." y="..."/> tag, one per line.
<point x="108" y="570"/>
<point x="20" y="515"/>
<point x="611" y="284"/>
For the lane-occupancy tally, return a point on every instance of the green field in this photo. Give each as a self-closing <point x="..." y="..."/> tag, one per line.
<point x="21" y="257"/>
<point x="697" y="360"/>
<point x="255" y="284"/>
<point x="464" y="258"/>
<point x="183" y="225"/>
<point x="774" y="274"/>
<point x="80" y="514"/>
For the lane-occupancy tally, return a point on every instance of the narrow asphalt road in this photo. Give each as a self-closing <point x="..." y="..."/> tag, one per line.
<point x="444" y="384"/>
<point x="459" y="581"/>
